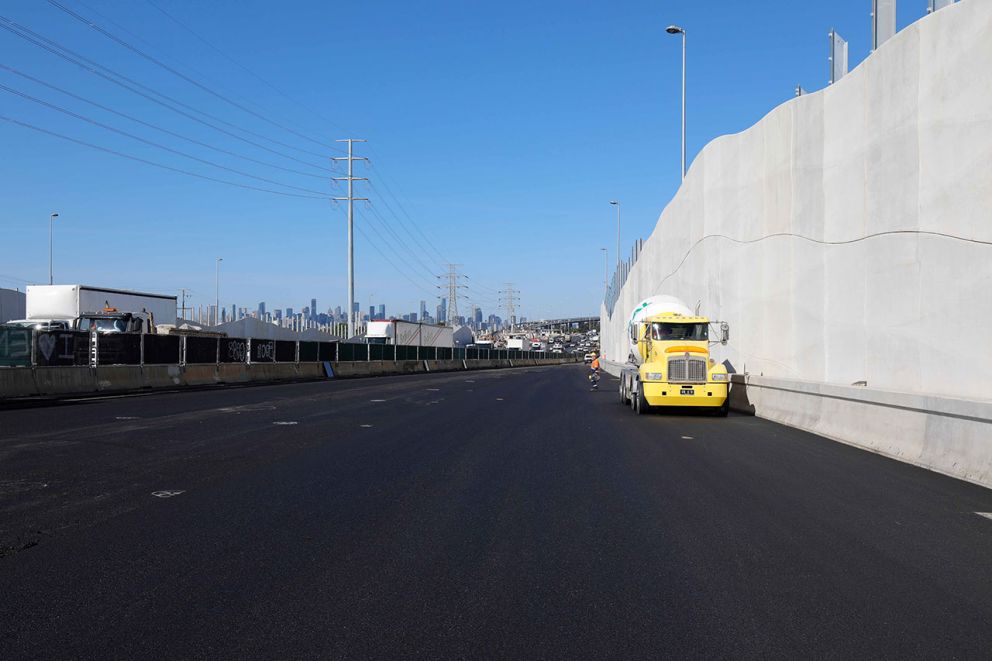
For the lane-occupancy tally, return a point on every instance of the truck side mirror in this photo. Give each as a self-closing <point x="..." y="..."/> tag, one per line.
<point x="724" y="332"/>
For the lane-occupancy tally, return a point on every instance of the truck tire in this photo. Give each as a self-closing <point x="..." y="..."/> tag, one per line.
<point x="641" y="405"/>
<point x="632" y="397"/>
<point x="722" y="411"/>
<point x="623" y="394"/>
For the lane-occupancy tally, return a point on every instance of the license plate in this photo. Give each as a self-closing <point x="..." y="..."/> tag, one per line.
<point x="687" y="391"/>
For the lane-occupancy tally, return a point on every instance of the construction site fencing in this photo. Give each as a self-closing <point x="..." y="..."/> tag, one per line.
<point x="24" y="347"/>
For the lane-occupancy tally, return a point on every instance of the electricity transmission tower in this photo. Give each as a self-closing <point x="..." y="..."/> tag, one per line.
<point x="351" y="179"/>
<point x="510" y="297"/>
<point x="453" y="286"/>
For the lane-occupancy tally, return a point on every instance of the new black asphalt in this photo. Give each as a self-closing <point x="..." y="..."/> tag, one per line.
<point x="506" y="513"/>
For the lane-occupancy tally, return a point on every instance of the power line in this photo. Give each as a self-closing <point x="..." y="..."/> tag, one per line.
<point x="134" y="49"/>
<point x="385" y="184"/>
<point x="131" y="85"/>
<point x="94" y="122"/>
<point x="155" y="127"/>
<point x="153" y="163"/>
<point x="427" y="269"/>
<point x="242" y="66"/>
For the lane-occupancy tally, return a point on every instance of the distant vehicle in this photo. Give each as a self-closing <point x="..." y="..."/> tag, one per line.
<point x="535" y="346"/>
<point x="588" y="357"/>
<point x="518" y="343"/>
<point x="409" y="333"/>
<point x="556" y="350"/>
<point x="558" y="346"/>
<point x="483" y="344"/>
<point x="99" y="309"/>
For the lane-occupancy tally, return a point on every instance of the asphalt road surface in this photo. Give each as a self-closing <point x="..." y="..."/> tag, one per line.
<point x="507" y="513"/>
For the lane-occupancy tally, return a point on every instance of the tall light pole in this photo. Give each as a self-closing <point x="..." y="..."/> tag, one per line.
<point x="217" y="293"/>
<point x="674" y="29"/>
<point x="617" y="204"/>
<point x="606" y="271"/>
<point x="51" y="235"/>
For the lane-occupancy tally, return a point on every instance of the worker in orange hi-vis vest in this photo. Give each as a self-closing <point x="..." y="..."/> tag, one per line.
<point x="594" y="371"/>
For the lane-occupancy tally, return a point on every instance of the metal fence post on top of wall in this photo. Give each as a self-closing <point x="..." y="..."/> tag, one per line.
<point x="141" y="350"/>
<point x="182" y="350"/>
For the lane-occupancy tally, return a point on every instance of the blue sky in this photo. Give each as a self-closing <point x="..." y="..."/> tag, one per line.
<point x="498" y="134"/>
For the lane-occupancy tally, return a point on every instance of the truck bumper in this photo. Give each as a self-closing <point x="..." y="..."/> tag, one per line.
<point x="673" y="394"/>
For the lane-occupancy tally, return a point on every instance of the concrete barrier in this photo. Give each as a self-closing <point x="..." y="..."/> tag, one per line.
<point x="63" y="380"/>
<point x="947" y="435"/>
<point x="53" y="381"/>
<point x="17" y="382"/>
<point x="161" y="376"/>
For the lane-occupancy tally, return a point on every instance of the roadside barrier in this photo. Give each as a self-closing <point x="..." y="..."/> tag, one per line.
<point x="41" y="363"/>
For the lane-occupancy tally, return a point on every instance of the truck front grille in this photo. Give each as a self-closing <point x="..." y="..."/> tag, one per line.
<point x="687" y="370"/>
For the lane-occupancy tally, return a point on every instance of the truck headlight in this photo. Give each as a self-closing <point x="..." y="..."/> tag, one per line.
<point x="653" y="376"/>
<point x="720" y="376"/>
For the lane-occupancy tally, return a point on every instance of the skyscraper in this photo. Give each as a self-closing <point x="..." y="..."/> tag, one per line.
<point x="382" y="310"/>
<point x="371" y="312"/>
<point x="261" y="309"/>
<point x="423" y="309"/>
<point x="313" y="307"/>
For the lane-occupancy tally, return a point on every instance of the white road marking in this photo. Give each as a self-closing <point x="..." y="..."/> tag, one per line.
<point x="377" y="400"/>
<point x="167" y="494"/>
<point x="687" y="438"/>
<point x="469" y="381"/>
<point x="434" y="389"/>
<point x="127" y="417"/>
<point x="365" y="426"/>
<point x="499" y="399"/>
<point x="987" y="515"/>
<point x="285" y="422"/>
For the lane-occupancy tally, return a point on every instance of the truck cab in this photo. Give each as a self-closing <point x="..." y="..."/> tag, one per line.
<point x="672" y="365"/>
<point x="111" y="320"/>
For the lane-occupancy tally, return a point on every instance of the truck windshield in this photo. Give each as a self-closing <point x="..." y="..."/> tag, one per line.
<point x="102" y="325"/>
<point x="686" y="332"/>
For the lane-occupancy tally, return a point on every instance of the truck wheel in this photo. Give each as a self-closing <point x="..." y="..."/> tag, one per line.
<point x="722" y="411"/>
<point x="641" y="406"/>
<point x="623" y="395"/>
<point x="632" y="397"/>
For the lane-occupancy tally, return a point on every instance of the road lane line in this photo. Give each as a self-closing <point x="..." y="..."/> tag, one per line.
<point x="167" y="493"/>
<point x="987" y="515"/>
<point x="285" y="422"/>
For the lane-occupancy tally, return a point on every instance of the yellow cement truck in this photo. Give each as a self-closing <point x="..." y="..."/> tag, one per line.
<point x="669" y="363"/>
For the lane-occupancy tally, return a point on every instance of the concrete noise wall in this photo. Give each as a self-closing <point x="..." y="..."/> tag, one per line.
<point x="847" y="236"/>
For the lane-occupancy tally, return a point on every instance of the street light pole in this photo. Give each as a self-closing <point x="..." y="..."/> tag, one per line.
<point x="617" y="204"/>
<point x="51" y="234"/>
<point x="674" y="29"/>
<point x="217" y="293"/>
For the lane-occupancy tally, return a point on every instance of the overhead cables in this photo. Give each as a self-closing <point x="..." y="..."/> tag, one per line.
<point x="107" y="127"/>
<point x="242" y="66"/>
<point x="133" y="86"/>
<point x="153" y="163"/>
<point x="134" y="49"/>
<point x="155" y="127"/>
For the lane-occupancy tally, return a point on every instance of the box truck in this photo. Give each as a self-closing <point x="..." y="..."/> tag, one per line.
<point x="408" y="333"/>
<point x="100" y="309"/>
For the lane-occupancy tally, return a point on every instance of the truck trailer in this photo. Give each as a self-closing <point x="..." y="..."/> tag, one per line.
<point x="100" y="309"/>
<point x="408" y="333"/>
<point x="669" y="361"/>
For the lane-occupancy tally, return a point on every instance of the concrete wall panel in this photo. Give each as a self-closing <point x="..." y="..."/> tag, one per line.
<point x="776" y="229"/>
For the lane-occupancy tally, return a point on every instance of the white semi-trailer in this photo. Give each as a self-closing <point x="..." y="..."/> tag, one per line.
<point x="408" y="333"/>
<point x="100" y="309"/>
